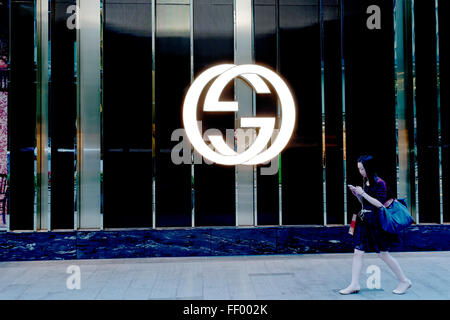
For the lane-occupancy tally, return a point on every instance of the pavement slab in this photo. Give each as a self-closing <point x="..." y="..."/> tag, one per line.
<point x="265" y="277"/>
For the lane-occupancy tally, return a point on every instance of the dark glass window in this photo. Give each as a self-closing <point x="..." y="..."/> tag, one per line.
<point x="22" y="115"/>
<point x="300" y="64"/>
<point x="173" y="75"/>
<point x="213" y="44"/>
<point x="427" y="111"/>
<point x="369" y="94"/>
<point x="266" y="54"/>
<point x="62" y="113"/>
<point x="127" y="113"/>
<point x="332" y="59"/>
<point x="444" y="78"/>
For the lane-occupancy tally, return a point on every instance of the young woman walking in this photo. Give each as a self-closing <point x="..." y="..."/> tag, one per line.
<point x="368" y="234"/>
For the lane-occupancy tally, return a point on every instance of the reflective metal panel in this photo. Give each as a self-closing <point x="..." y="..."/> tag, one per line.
<point x="243" y="54"/>
<point x="43" y="212"/>
<point x="89" y="114"/>
<point x="404" y="103"/>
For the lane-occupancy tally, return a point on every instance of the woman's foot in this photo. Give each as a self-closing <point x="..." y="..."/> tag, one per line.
<point x="350" y="289"/>
<point x="402" y="287"/>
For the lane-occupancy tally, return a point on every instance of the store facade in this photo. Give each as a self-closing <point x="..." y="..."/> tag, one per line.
<point x="99" y="163"/>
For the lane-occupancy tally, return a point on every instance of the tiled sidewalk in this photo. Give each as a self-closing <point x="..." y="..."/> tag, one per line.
<point x="309" y="276"/>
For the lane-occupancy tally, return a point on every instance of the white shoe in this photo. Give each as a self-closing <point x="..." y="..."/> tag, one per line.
<point x="402" y="287"/>
<point x="349" y="290"/>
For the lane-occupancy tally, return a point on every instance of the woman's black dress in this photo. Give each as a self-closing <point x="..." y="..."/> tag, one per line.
<point x="369" y="236"/>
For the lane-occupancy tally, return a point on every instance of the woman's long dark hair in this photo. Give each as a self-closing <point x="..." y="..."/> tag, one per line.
<point x="369" y="165"/>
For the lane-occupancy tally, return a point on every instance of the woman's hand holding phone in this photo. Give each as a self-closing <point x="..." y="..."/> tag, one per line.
<point x="352" y="189"/>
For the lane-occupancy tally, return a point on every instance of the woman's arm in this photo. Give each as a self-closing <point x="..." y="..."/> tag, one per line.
<point x="359" y="198"/>
<point x="388" y="202"/>
<point x="372" y="200"/>
<point x="360" y="192"/>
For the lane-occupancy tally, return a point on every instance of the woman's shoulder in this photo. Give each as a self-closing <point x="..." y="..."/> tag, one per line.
<point x="380" y="183"/>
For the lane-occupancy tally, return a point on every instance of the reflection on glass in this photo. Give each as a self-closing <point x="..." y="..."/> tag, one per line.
<point x="22" y="114"/>
<point x="4" y="154"/>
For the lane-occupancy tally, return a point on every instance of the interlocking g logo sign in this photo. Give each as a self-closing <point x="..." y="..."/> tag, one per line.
<point x="252" y="75"/>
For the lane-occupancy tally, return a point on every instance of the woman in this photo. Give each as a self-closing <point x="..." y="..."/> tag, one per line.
<point x="369" y="236"/>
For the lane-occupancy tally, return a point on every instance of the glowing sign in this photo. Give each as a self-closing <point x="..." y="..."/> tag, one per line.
<point x="252" y="74"/>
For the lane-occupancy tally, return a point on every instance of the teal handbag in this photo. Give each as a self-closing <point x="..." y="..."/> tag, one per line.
<point x="396" y="217"/>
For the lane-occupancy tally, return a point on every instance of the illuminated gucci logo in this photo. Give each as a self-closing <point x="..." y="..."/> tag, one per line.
<point x="252" y="75"/>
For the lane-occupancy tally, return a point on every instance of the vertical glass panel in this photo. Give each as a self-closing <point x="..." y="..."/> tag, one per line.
<point x="265" y="48"/>
<point x="4" y="77"/>
<point x="127" y="113"/>
<point x="213" y="44"/>
<point x="22" y="114"/>
<point x="369" y="93"/>
<point x="172" y="78"/>
<point x="333" y="112"/>
<point x="300" y="64"/>
<point x="427" y="111"/>
<point x="444" y="79"/>
<point x="62" y="113"/>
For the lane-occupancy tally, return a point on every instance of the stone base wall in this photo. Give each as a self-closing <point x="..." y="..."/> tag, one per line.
<point x="15" y="246"/>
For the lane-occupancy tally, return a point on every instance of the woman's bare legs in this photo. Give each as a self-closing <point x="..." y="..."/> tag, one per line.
<point x="356" y="271"/>
<point x="404" y="283"/>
